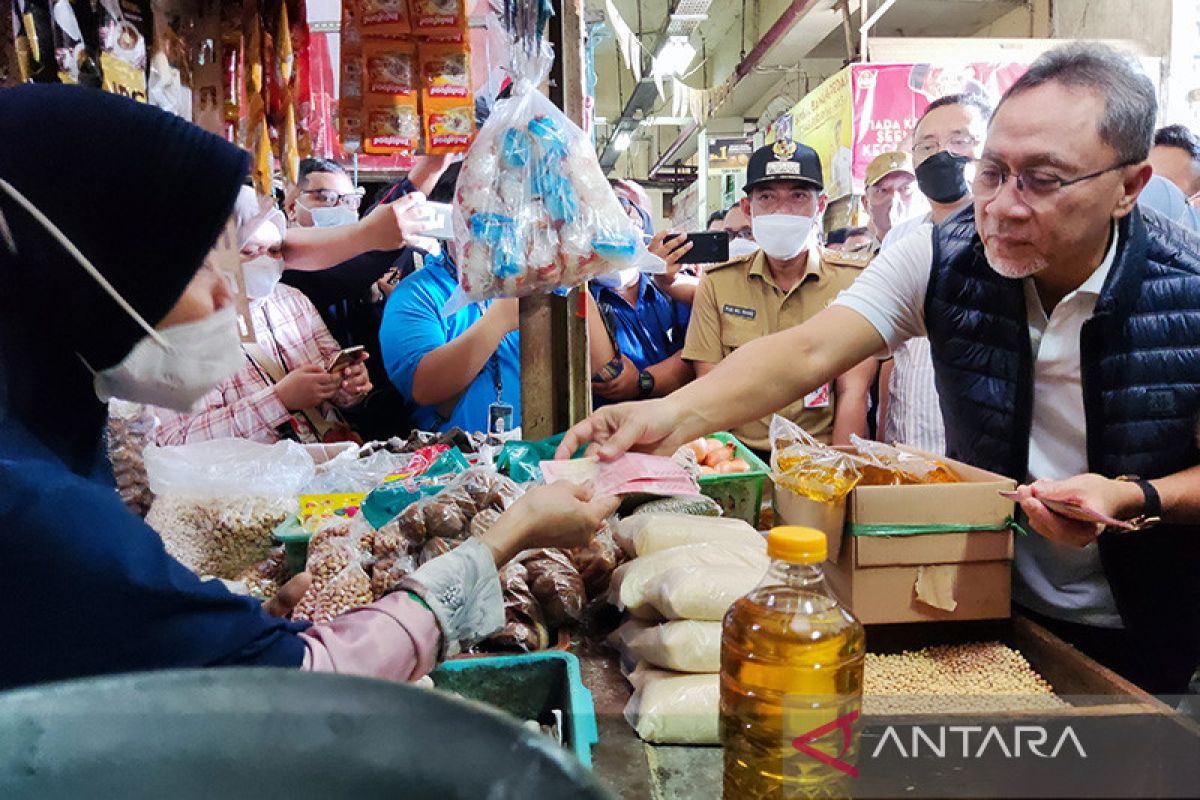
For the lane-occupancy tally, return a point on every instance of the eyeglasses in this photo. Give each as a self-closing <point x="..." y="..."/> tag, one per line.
<point x="990" y="178"/>
<point x="328" y="197"/>
<point x="958" y="144"/>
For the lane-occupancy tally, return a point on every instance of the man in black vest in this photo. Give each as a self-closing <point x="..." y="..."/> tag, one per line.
<point x="1065" y="327"/>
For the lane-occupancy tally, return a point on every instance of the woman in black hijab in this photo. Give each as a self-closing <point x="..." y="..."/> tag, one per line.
<point x="108" y="211"/>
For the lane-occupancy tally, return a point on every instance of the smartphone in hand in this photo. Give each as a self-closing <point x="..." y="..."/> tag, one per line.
<point x="707" y="248"/>
<point x="346" y="358"/>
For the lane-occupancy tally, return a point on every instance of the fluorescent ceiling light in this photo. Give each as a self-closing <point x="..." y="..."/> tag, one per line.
<point x="674" y="58"/>
<point x="622" y="141"/>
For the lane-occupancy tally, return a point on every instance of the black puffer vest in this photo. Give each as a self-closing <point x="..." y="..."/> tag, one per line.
<point x="1140" y="365"/>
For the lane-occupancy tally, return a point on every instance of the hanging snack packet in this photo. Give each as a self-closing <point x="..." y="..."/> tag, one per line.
<point x="439" y="16"/>
<point x="385" y="18"/>
<point x="533" y="211"/>
<point x="124" y="32"/>
<point x="391" y="122"/>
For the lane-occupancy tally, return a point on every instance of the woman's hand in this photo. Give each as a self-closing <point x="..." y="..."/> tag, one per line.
<point x="562" y="515"/>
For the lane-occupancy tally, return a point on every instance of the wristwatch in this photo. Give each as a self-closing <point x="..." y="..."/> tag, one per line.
<point x="645" y="383"/>
<point x="1151" y="503"/>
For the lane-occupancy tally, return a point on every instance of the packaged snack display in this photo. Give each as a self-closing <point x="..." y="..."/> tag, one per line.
<point x="439" y="16"/>
<point x="385" y="17"/>
<point x="533" y="211"/>
<point x="391" y="121"/>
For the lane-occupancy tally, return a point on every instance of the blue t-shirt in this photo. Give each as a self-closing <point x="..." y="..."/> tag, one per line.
<point x="650" y="333"/>
<point x="413" y="327"/>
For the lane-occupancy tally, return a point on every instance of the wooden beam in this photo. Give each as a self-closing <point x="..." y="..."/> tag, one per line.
<point x="555" y="385"/>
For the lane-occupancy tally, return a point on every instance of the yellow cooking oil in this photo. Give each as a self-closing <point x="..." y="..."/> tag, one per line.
<point x="791" y="680"/>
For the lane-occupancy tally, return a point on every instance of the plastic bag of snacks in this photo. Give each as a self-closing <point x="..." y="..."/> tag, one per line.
<point x="339" y="561"/>
<point x="130" y="429"/>
<point x="217" y="502"/>
<point x="884" y="465"/>
<point x="533" y="211"/>
<point x="803" y="465"/>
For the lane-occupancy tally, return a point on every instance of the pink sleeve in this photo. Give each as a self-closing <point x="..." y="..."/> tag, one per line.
<point x="394" y="638"/>
<point x="252" y="416"/>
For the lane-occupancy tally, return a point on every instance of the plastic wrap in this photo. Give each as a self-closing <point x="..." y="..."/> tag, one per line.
<point x="698" y="505"/>
<point x="808" y="468"/>
<point x="262" y="580"/>
<point x="533" y="211"/>
<point x="340" y="563"/>
<point x="884" y="465"/>
<point x="675" y="708"/>
<point x="596" y="561"/>
<point x="217" y="502"/>
<point x="557" y="586"/>
<point x="699" y="592"/>
<point x="682" y="645"/>
<point x="644" y="534"/>
<point x="524" y="626"/>
<point x="130" y="430"/>
<point x="631" y="581"/>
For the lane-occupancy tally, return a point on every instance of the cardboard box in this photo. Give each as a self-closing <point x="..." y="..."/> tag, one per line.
<point x="922" y="577"/>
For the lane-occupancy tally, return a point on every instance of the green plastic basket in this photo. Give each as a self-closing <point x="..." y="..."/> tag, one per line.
<point x="740" y="494"/>
<point x="529" y="686"/>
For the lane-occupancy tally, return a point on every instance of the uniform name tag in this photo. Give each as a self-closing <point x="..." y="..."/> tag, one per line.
<point x="783" y="168"/>
<point x="738" y="311"/>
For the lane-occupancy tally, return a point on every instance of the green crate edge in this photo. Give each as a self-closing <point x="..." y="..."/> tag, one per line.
<point x="758" y="473"/>
<point x="584" y="733"/>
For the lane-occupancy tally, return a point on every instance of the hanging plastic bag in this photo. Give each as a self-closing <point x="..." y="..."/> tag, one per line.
<point x="533" y="211"/>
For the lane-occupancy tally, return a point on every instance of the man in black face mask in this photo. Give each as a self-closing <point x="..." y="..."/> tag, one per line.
<point x="948" y="135"/>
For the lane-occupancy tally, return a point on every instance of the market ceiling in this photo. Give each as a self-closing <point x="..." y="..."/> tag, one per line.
<point x="802" y="43"/>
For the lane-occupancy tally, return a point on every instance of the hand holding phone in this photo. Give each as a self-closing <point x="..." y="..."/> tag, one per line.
<point x="346" y="358"/>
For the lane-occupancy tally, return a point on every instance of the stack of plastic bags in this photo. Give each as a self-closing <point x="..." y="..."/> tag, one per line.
<point x="685" y="574"/>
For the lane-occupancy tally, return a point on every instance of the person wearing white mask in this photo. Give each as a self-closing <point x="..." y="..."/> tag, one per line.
<point x="91" y="587"/>
<point x="283" y="387"/>
<point x="645" y="325"/>
<point x="782" y="284"/>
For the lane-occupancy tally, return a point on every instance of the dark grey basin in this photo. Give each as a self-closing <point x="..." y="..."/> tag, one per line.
<point x="266" y="733"/>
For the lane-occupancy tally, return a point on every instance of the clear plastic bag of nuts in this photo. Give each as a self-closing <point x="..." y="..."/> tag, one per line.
<point x="340" y="558"/>
<point x="217" y="502"/>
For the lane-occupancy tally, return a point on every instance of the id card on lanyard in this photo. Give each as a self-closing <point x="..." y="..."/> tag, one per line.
<point x="500" y="413"/>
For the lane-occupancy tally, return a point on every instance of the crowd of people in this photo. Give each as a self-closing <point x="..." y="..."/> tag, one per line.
<point x="1024" y="297"/>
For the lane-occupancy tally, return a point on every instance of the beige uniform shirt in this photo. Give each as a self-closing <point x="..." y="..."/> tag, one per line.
<point x="739" y="301"/>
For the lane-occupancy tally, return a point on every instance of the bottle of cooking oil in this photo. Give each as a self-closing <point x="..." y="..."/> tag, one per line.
<point x="791" y="680"/>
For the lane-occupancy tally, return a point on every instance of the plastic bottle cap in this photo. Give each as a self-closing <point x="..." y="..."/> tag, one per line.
<point x="797" y="545"/>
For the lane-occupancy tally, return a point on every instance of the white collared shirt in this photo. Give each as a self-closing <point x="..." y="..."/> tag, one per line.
<point x="1060" y="582"/>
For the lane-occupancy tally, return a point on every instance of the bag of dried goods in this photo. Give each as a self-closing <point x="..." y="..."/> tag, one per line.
<point x="644" y="534"/>
<point x="557" y="586"/>
<point x="524" y="626"/>
<point x="699" y="592"/>
<point x="675" y="708"/>
<point x="681" y="645"/>
<point x="596" y="561"/>
<point x="339" y="561"/>
<point x="217" y="502"/>
<point x="631" y="582"/>
<point x="131" y="428"/>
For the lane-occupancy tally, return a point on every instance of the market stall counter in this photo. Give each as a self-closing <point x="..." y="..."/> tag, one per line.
<point x="1136" y="746"/>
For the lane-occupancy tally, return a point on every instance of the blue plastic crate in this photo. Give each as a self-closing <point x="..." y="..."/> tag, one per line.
<point x="528" y="686"/>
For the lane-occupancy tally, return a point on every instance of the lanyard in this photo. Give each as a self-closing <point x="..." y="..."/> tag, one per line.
<point x="494" y="365"/>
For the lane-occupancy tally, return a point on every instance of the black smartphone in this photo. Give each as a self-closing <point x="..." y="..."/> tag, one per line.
<point x="707" y="248"/>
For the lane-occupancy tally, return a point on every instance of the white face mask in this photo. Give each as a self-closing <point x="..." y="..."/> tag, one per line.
<point x="172" y="368"/>
<point x="742" y="247"/>
<point x="782" y="236"/>
<point x="262" y="275"/>
<point x="197" y="357"/>
<point x="617" y="280"/>
<point x="332" y="216"/>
